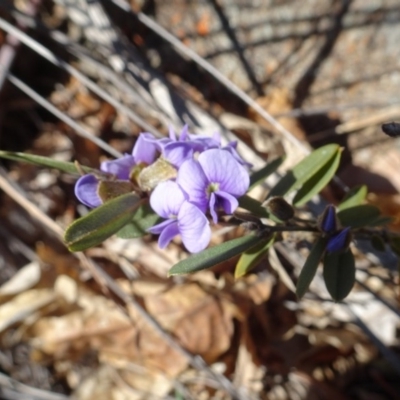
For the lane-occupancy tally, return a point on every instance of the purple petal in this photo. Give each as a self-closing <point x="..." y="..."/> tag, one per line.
<point x="172" y="134"/>
<point x="202" y="143"/>
<point x="169" y="232"/>
<point x="178" y="152"/>
<point x="231" y="149"/>
<point x="328" y="221"/>
<point x="121" y="167"/>
<point x="192" y="180"/>
<point x="184" y="136"/>
<point x="157" y="229"/>
<point x="213" y="207"/>
<point x="222" y="200"/>
<point x="86" y="190"/>
<point x="339" y="241"/>
<point x="227" y="202"/>
<point x="166" y="199"/>
<point x="220" y="167"/>
<point x="146" y="148"/>
<point x="193" y="227"/>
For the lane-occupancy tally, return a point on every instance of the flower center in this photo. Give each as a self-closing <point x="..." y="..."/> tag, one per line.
<point x="212" y="187"/>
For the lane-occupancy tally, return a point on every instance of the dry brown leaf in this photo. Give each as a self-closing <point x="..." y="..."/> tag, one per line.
<point x="100" y="325"/>
<point x="24" y="279"/>
<point x="257" y="288"/>
<point x="202" y="322"/>
<point x="248" y="371"/>
<point x="24" y="305"/>
<point x="60" y="263"/>
<point x="279" y="101"/>
<point x="98" y="385"/>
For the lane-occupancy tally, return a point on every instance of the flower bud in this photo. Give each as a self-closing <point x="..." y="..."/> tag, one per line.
<point x="279" y="208"/>
<point x="327" y="222"/>
<point x="340" y="241"/>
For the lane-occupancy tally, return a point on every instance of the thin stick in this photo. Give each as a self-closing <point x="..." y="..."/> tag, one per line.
<point x="48" y="55"/>
<point x="62" y="116"/>
<point x="13" y="389"/>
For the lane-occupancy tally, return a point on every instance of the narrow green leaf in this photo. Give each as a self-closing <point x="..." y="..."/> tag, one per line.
<point x="48" y="162"/>
<point x="214" y="255"/>
<point x="254" y="206"/>
<point x="310" y="267"/>
<point x="395" y="245"/>
<point x="317" y="181"/>
<point x="143" y="219"/>
<point x="339" y="274"/>
<point x="304" y="170"/>
<point x="259" y="176"/>
<point x="359" y="216"/>
<point x="250" y="258"/>
<point x="378" y="243"/>
<point x="354" y="197"/>
<point x="102" y="222"/>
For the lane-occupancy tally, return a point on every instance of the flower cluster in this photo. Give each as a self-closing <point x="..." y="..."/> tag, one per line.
<point x="186" y="175"/>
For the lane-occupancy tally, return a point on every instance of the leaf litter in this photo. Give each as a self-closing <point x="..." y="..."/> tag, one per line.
<point x="252" y="330"/>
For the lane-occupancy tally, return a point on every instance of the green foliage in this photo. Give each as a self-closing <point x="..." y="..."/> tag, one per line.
<point x="359" y="216"/>
<point x="354" y="197"/>
<point x="143" y="219"/>
<point x="254" y="206"/>
<point x="214" y="255"/>
<point x="378" y="243"/>
<point x="310" y="267"/>
<point x="261" y="175"/>
<point x="339" y="274"/>
<point x="47" y="162"/>
<point x="394" y="244"/>
<point x="317" y="181"/>
<point x="102" y="222"/>
<point x="250" y="258"/>
<point x="324" y="158"/>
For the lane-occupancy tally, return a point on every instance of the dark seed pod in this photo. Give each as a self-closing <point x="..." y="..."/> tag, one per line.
<point x="279" y="208"/>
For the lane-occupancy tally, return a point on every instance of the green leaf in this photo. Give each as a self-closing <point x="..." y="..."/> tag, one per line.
<point x="378" y="243"/>
<point x="339" y="274"/>
<point x="48" y="162"/>
<point x="143" y="219"/>
<point x="259" y="176"/>
<point x="317" y="181"/>
<point x="354" y="197"/>
<point x="305" y="170"/>
<point x="102" y="222"/>
<point x="395" y="245"/>
<point x="359" y="216"/>
<point x="214" y="255"/>
<point x="250" y="258"/>
<point x="310" y="267"/>
<point x="254" y="206"/>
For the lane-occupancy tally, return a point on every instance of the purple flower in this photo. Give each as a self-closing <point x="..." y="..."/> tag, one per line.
<point x="339" y="241"/>
<point x="328" y="221"/>
<point x="146" y="150"/>
<point x="213" y="181"/>
<point x="170" y="202"/>
<point x="87" y="185"/>
<point x="177" y="150"/>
